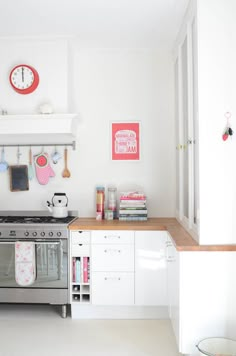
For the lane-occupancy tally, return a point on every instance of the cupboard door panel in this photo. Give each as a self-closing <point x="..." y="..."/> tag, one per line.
<point x="80" y="237"/>
<point x="112" y="288"/>
<point x="112" y="237"/>
<point x="150" y="268"/>
<point x="112" y="257"/>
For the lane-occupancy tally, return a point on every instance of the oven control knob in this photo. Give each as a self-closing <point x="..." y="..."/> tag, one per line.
<point x="42" y="233"/>
<point x="58" y="233"/>
<point x="26" y="233"/>
<point x="34" y="233"/>
<point x="50" y="233"/>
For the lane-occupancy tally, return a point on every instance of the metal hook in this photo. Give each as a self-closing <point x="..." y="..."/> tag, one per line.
<point x="18" y="154"/>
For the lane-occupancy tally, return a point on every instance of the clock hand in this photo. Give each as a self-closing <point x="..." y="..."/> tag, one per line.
<point x="22" y="70"/>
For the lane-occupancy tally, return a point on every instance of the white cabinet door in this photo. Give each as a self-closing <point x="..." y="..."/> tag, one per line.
<point x="112" y="288"/>
<point x="112" y="267"/>
<point x="112" y="237"/>
<point x="172" y="258"/>
<point x="186" y="109"/>
<point x="112" y="257"/>
<point x="150" y="268"/>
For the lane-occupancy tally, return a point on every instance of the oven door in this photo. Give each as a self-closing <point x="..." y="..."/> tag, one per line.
<point x="51" y="260"/>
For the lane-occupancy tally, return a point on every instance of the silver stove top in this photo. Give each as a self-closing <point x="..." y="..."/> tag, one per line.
<point x="34" y="225"/>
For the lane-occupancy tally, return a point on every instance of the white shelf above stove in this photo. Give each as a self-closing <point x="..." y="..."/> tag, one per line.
<point x="26" y="129"/>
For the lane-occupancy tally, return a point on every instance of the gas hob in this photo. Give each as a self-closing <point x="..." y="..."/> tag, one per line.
<point x="34" y="224"/>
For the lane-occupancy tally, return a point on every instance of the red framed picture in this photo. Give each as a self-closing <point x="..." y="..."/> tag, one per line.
<point x="125" y="138"/>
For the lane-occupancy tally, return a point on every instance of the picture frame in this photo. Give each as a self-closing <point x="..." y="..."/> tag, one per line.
<point x="125" y="141"/>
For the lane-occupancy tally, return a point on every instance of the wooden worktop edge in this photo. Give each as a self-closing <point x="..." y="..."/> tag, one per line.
<point x="181" y="238"/>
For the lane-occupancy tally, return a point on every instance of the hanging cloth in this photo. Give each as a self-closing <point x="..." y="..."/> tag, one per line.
<point x="25" y="269"/>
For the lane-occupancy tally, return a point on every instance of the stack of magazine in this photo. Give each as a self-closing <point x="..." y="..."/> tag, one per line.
<point x="133" y="206"/>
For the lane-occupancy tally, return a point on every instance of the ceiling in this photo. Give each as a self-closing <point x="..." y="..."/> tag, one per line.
<point x="135" y="23"/>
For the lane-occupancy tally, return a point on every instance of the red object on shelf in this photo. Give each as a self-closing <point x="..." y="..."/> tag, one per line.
<point x="85" y="269"/>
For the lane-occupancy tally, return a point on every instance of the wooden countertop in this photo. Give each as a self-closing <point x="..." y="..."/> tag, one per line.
<point x="181" y="238"/>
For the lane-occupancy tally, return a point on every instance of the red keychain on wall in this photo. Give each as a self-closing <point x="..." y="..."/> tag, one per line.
<point x="228" y="130"/>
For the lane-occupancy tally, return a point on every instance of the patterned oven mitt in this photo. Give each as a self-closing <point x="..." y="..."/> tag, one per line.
<point x="25" y="269"/>
<point x="42" y="168"/>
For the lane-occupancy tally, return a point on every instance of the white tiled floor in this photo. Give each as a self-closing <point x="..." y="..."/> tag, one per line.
<point x="39" y="330"/>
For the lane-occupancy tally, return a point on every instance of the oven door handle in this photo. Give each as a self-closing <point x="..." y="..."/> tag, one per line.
<point x="34" y="242"/>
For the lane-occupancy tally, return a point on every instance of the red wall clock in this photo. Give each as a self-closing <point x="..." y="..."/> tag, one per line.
<point x="24" y="79"/>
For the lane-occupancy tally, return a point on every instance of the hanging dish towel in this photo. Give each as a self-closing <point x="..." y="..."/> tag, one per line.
<point x="25" y="271"/>
<point x="42" y="168"/>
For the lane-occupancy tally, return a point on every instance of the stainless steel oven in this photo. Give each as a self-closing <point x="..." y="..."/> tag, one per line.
<point x="49" y="238"/>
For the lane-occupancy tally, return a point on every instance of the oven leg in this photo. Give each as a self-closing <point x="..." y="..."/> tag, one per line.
<point x="63" y="311"/>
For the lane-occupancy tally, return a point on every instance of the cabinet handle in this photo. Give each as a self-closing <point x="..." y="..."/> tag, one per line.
<point x="112" y="250"/>
<point x="112" y="278"/>
<point x="111" y="236"/>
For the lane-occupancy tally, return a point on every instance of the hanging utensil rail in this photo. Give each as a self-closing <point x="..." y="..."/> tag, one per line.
<point x="73" y="144"/>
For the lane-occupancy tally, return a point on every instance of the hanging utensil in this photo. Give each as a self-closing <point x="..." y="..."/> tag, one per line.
<point x="3" y="163"/>
<point x="18" y="175"/>
<point x="56" y="156"/>
<point x="66" y="172"/>
<point x="18" y="154"/>
<point x="30" y="166"/>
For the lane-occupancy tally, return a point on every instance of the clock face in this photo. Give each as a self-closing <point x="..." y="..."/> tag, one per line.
<point x="24" y="79"/>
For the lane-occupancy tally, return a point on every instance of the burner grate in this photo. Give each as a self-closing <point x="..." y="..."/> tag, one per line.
<point x="35" y="220"/>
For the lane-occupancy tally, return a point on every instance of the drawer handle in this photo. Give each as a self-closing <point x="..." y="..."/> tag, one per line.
<point x="111" y="236"/>
<point x="112" y="250"/>
<point x="112" y="278"/>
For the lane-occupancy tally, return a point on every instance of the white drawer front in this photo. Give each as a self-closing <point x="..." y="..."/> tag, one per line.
<point x="112" y="237"/>
<point x="80" y="250"/>
<point x="80" y="237"/>
<point x="112" y="257"/>
<point x="112" y="288"/>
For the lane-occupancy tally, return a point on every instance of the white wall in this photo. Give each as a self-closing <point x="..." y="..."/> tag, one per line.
<point x="103" y="85"/>
<point x="217" y="78"/>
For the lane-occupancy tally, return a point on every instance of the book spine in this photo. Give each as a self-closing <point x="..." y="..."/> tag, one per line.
<point x="88" y="269"/>
<point x="133" y="215"/>
<point x="133" y="211"/>
<point x="126" y="198"/>
<point x="132" y="206"/>
<point x="73" y="269"/>
<point x="133" y="218"/>
<point x="77" y="270"/>
<point x="85" y="269"/>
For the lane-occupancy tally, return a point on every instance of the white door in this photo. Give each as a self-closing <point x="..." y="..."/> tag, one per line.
<point x="150" y="268"/>
<point x="172" y="258"/>
<point x="186" y="116"/>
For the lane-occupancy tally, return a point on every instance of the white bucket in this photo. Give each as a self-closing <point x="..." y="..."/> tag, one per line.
<point x="217" y="346"/>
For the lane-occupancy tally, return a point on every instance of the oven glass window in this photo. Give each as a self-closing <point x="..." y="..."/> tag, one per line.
<point x="51" y="262"/>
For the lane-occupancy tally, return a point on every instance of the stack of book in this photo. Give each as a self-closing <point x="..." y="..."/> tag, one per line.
<point x="133" y="207"/>
<point x="80" y="270"/>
